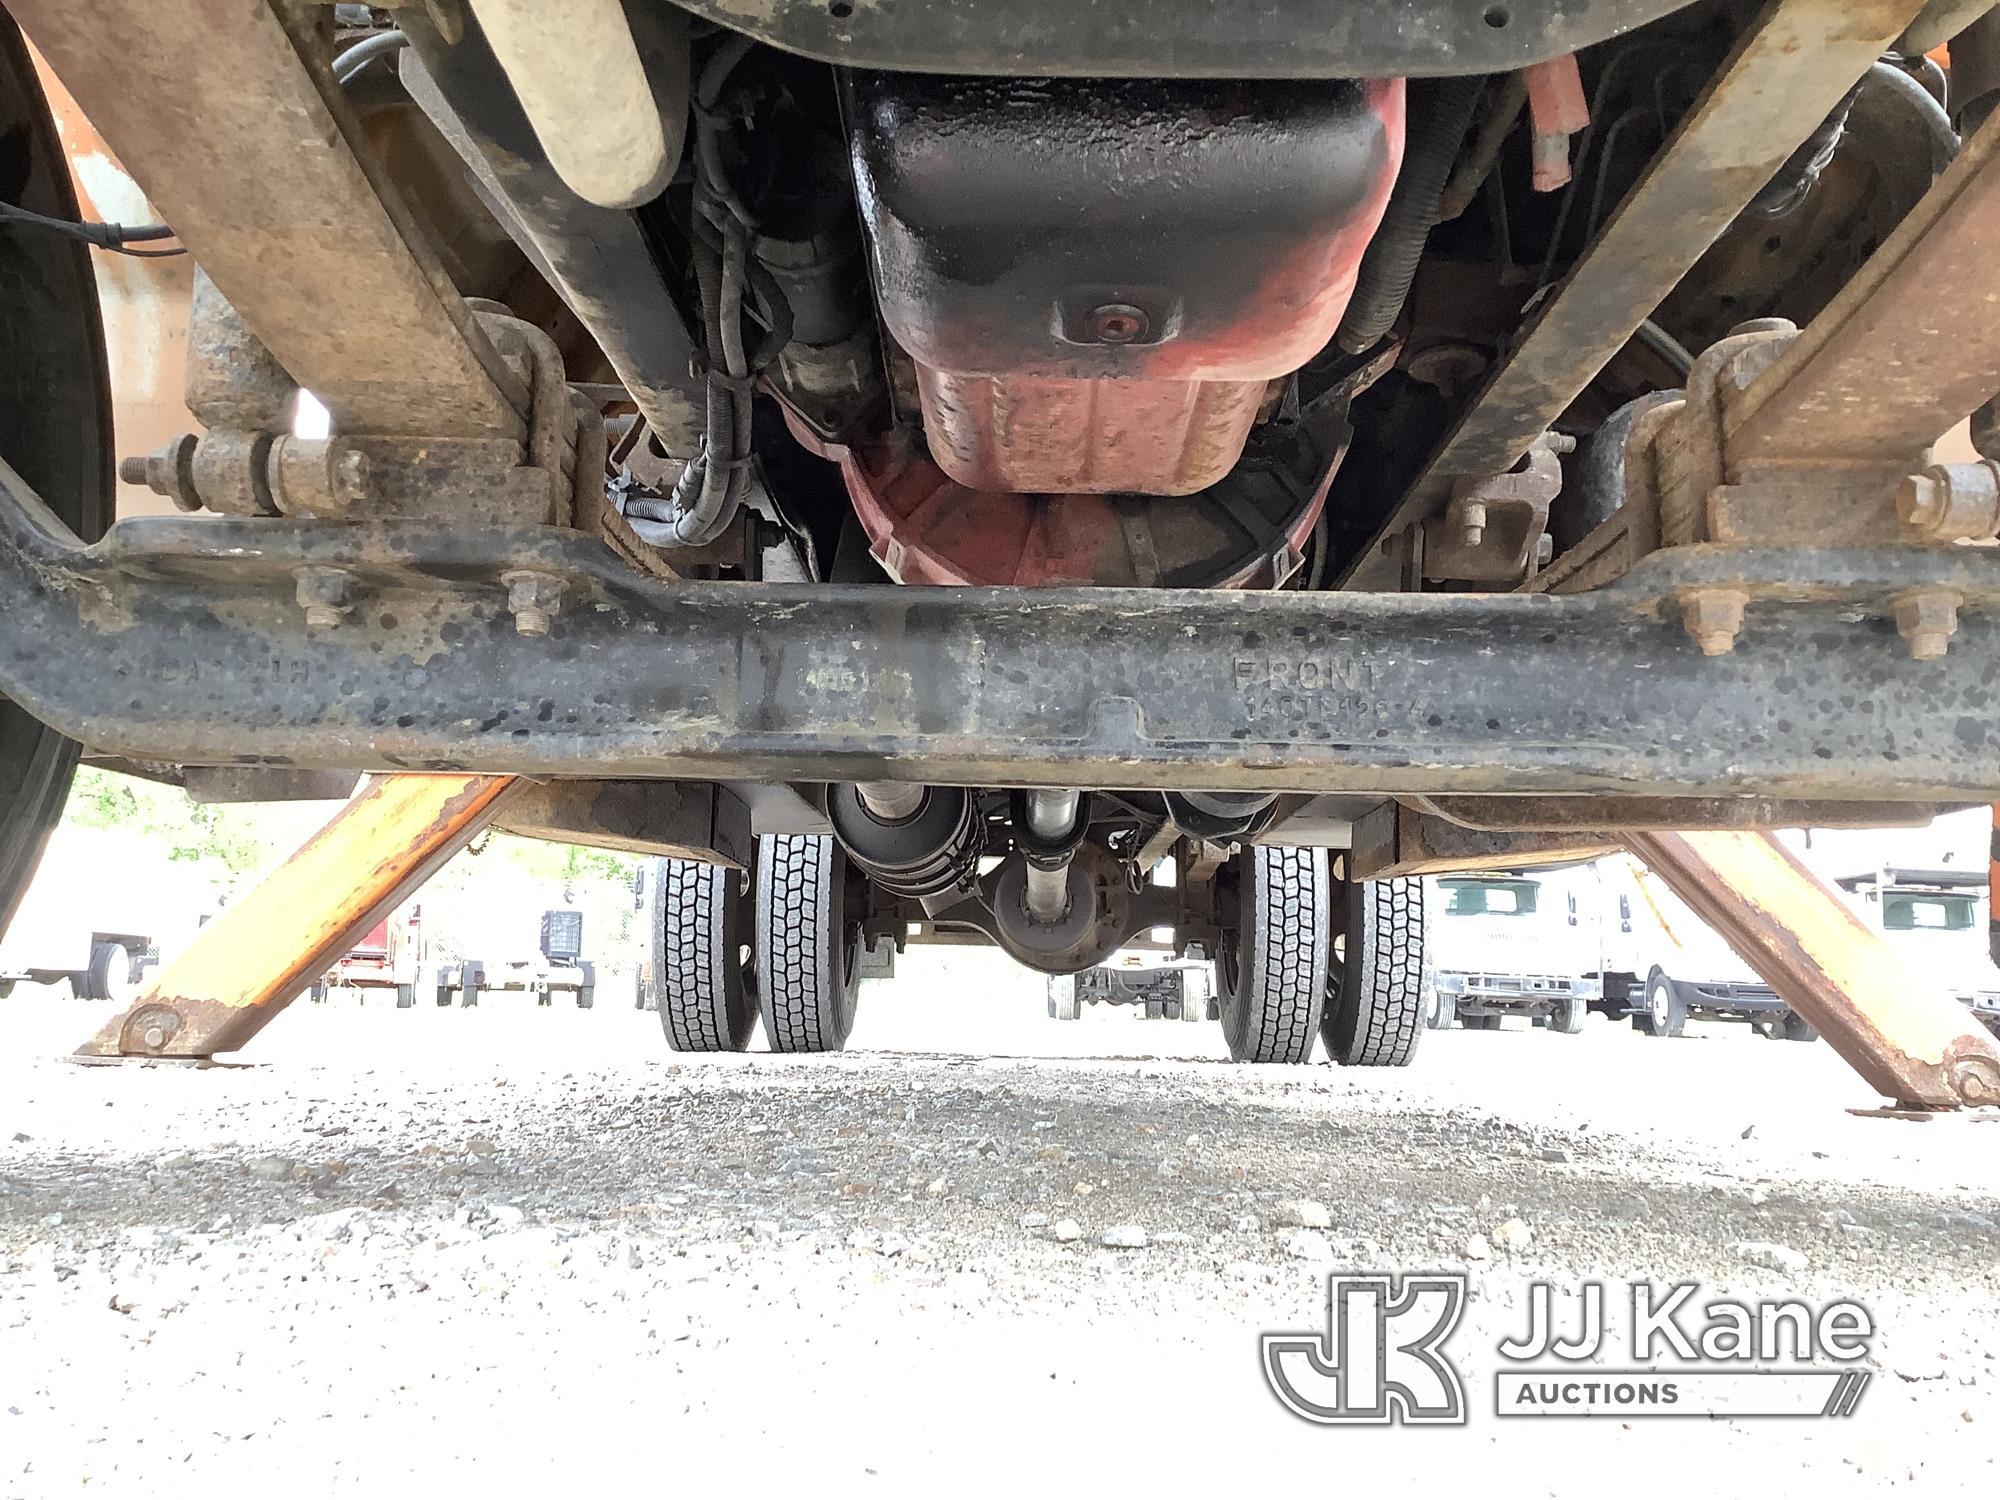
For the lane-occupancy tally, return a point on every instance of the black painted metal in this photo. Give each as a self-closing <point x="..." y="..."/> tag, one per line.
<point x="934" y="850"/>
<point x="597" y="258"/>
<point x="1002" y="213"/>
<point x="1177" y="39"/>
<point x="177" y="640"/>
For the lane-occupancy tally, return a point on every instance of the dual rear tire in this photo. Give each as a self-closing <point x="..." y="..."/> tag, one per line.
<point x="1306" y="953"/>
<point x="783" y="946"/>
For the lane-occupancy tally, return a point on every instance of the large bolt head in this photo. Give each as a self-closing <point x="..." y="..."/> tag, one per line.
<point x="1951" y="502"/>
<point x="350" y="475"/>
<point x="534" y="598"/>
<point x="1713" y="617"/>
<point x="1928" y="619"/>
<point x="324" y="595"/>
<point x="1919" y="501"/>
<point x="1976" y="1080"/>
<point x="1115" y="323"/>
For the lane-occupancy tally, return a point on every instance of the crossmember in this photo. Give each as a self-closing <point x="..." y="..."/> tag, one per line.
<point x="192" y="641"/>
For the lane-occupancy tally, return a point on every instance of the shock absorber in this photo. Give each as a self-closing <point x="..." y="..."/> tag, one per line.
<point x="922" y="842"/>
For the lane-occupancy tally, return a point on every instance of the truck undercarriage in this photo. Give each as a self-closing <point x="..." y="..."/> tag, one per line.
<point x="949" y="464"/>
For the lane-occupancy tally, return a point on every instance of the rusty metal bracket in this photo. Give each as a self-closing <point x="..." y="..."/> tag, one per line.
<point x="254" y="959"/>
<point x="1808" y="438"/>
<point x="245" y="464"/>
<point x="1908" y="348"/>
<point x="1913" y="1043"/>
<point x="1456" y="834"/>
<point x="229" y="118"/>
<point x="1495" y="529"/>
<point x="1787" y="72"/>
<point x="1398" y="839"/>
<point x="685" y="820"/>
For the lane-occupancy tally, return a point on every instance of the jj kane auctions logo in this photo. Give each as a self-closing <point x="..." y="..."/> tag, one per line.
<point x="1382" y="1356"/>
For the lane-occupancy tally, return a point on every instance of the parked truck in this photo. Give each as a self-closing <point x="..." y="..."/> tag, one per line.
<point x="1936" y="919"/>
<point x="1166" y="987"/>
<point x="388" y="956"/>
<point x="1517" y="945"/>
<point x="1665" y="966"/>
<point x="558" y="967"/>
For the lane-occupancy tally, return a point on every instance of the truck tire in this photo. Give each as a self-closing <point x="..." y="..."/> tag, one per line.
<point x="1271" y="965"/>
<point x="807" y="942"/>
<point x="699" y="952"/>
<point x="1567" y="1016"/>
<point x="1443" y="1011"/>
<point x="55" y="423"/>
<point x="1063" y="1005"/>
<point x="1664" y="1012"/>
<point x="1795" y="1028"/>
<point x="471" y="980"/>
<point x="1194" y="999"/>
<point x="406" y="996"/>
<point x="1375" y="1005"/>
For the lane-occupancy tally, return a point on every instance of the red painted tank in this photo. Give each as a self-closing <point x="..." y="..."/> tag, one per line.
<point x="1098" y="279"/>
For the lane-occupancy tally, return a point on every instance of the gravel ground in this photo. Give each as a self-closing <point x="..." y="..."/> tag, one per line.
<point x="524" y="1248"/>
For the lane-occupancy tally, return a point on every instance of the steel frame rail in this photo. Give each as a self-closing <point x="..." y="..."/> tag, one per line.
<point x="179" y="641"/>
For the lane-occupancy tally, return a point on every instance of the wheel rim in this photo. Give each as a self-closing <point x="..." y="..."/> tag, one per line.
<point x="1659" y="1004"/>
<point x="1226" y="963"/>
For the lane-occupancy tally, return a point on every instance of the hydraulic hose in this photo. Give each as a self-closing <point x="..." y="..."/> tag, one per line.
<point x="712" y="487"/>
<point x="1920" y="103"/>
<point x="1389" y="266"/>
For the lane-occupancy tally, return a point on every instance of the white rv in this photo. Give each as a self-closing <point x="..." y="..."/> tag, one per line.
<point x="1516" y="945"/>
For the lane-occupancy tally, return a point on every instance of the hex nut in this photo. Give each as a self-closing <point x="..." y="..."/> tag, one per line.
<point x="324" y="594"/>
<point x="534" y="598"/>
<point x="168" y="471"/>
<point x="1713" y="617"/>
<point x="1928" y="618"/>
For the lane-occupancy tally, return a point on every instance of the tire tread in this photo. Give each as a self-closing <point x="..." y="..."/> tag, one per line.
<point x="803" y="990"/>
<point x="1388" y="974"/>
<point x="700" y="982"/>
<point x="1282" y="954"/>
